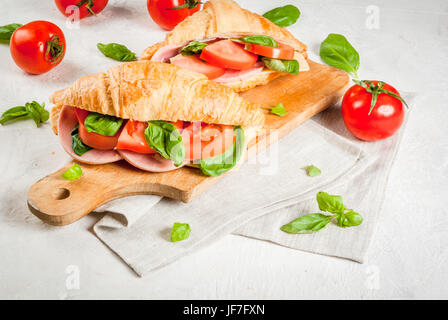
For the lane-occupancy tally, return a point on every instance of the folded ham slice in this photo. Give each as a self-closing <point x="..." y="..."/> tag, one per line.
<point x="148" y="162"/>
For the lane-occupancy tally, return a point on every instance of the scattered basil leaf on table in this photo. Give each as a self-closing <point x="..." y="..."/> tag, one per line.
<point x="164" y="138"/>
<point x="117" y="52"/>
<point x="283" y="16"/>
<point x="72" y="173"/>
<point x="7" y="30"/>
<point x="285" y="66"/>
<point x="316" y="221"/>
<point x="218" y="165"/>
<point x="180" y="231"/>
<point x="77" y="145"/>
<point x="261" y="40"/>
<point x="194" y="47"/>
<point x="31" y="110"/>
<point x="336" y="51"/>
<point x="102" y="124"/>
<point x="312" y="171"/>
<point x="278" y="110"/>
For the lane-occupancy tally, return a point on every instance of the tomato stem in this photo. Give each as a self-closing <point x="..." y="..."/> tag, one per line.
<point x="190" y="4"/>
<point x="89" y="6"/>
<point x="55" y="50"/>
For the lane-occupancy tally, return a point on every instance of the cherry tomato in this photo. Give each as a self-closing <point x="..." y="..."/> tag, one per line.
<point x="193" y="63"/>
<point x="87" y="8"/>
<point x="163" y="12"/>
<point x="283" y="51"/>
<point x="38" y="46"/>
<point x="229" y="54"/>
<point x="384" y="120"/>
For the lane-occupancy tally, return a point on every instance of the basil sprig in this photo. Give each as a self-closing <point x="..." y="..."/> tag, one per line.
<point x="283" y="16"/>
<point x="102" y="124"/>
<point x="218" y="165"/>
<point x="278" y="110"/>
<point x="261" y="40"/>
<point x="31" y="110"/>
<point x="77" y="145"/>
<point x="164" y="138"/>
<point x="194" y="47"/>
<point x="180" y="231"/>
<point x="72" y="173"/>
<point x="312" y="171"/>
<point x="7" y="31"/>
<point x="117" y="52"/>
<point x="316" y="221"/>
<point x="336" y="51"/>
<point x="285" y="66"/>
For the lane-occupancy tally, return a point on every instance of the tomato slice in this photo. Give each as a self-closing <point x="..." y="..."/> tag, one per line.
<point x="193" y="63"/>
<point x="229" y="54"/>
<point x="283" y="51"/>
<point x="204" y="141"/>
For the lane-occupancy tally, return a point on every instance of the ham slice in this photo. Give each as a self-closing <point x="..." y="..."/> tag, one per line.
<point x="67" y="121"/>
<point x="240" y="75"/>
<point x="148" y="162"/>
<point x="164" y="54"/>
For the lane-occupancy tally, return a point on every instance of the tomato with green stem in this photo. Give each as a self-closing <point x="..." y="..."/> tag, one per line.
<point x="168" y="13"/>
<point x="86" y="8"/>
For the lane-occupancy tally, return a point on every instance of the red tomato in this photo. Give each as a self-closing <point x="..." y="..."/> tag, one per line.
<point x="229" y="54"/>
<point x="384" y="120"/>
<point x="193" y="63"/>
<point x="204" y="141"/>
<point x="37" y="46"/>
<point x="283" y="51"/>
<point x="93" y="139"/>
<point x="162" y="12"/>
<point x="87" y="8"/>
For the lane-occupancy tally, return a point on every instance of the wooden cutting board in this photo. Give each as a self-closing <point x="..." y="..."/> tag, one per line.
<point x="60" y="202"/>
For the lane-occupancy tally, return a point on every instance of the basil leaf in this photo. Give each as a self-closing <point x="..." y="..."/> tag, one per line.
<point x="336" y="51"/>
<point x="166" y="140"/>
<point x="180" y="231"/>
<point x="307" y="224"/>
<point x="279" y="110"/>
<point x="31" y="110"/>
<point x="261" y="40"/>
<point x="102" y="124"/>
<point x="330" y="203"/>
<point x="77" y="145"/>
<point x="117" y="52"/>
<point x="15" y="113"/>
<point x="218" y="165"/>
<point x="72" y="173"/>
<point x="283" y="16"/>
<point x="7" y="31"/>
<point x="349" y="219"/>
<point x="285" y="66"/>
<point x="312" y="171"/>
<point x="194" y="47"/>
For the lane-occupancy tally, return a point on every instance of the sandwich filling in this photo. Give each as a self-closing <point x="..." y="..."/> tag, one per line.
<point x="155" y="146"/>
<point x="235" y="59"/>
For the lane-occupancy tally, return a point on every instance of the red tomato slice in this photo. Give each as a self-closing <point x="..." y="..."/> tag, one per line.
<point x="206" y="140"/>
<point x="193" y="63"/>
<point x="283" y="51"/>
<point x="228" y="54"/>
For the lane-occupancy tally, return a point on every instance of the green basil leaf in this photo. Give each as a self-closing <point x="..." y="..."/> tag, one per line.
<point x="336" y="51"/>
<point x="72" y="173"/>
<point x="307" y="224"/>
<point x="218" y="165"/>
<point x="117" y="52"/>
<point x="102" y="124"/>
<point x="164" y="138"/>
<point x="349" y="219"/>
<point x="7" y="31"/>
<point x="330" y="203"/>
<point x="283" y="16"/>
<point x="312" y="171"/>
<point x="285" y="66"/>
<point x="180" y="231"/>
<point x="261" y="40"/>
<point x="279" y="110"/>
<point x="77" y="145"/>
<point x="194" y="47"/>
<point x="15" y="113"/>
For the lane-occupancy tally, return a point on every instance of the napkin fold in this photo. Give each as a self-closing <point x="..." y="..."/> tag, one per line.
<point x="268" y="191"/>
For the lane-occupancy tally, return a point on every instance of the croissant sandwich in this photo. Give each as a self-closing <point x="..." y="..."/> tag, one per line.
<point x="156" y="116"/>
<point x="231" y="46"/>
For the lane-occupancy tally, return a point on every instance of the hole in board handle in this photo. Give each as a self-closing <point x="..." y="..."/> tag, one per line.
<point x="61" y="194"/>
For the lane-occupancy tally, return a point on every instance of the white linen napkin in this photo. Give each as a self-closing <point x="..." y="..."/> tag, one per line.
<point x="256" y="200"/>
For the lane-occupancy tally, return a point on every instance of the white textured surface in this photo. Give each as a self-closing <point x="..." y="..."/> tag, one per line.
<point x="408" y="255"/>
